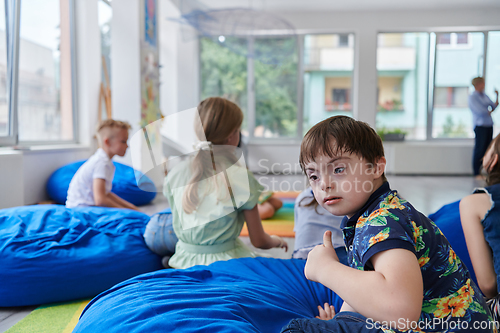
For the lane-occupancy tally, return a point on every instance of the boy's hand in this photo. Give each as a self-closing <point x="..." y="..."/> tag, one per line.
<point x="327" y="313"/>
<point x="320" y="256"/>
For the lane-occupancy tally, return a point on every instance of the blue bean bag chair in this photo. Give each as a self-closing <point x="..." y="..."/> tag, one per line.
<point x="50" y="253"/>
<point x="238" y="295"/>
<point x="447" y="218"/>
<point x="124" y="184"/>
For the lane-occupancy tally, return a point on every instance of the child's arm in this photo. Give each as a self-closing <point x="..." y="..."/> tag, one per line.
<point x="473" y="208"/>
<point x="258" y="236"/>
<point x="101" y="198"/>
<point x="124" y="203"/>
<point x="392" y="292"/>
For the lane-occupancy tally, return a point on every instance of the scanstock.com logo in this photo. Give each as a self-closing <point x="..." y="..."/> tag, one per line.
<point x="221" y="185"/>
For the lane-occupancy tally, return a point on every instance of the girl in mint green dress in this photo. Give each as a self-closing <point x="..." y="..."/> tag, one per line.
<point x="212" y="193"/>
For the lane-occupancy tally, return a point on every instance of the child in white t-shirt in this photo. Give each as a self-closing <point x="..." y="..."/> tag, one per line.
<point x="91" y="184"/>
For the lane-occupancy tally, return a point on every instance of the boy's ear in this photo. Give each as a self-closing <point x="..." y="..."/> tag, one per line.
<point x="105" y="141"/>
<point x="380" y="166"/>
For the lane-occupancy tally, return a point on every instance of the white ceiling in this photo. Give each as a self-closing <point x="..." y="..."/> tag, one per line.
<point x="351" y="5"/>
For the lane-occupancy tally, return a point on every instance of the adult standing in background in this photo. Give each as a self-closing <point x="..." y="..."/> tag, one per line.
<point x="482" y="107"/>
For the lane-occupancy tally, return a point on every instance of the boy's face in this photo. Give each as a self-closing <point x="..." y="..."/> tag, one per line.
<point x="343" y="184"/>
<point x="117" y="143"/>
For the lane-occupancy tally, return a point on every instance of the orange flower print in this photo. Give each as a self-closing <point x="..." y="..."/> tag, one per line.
<point x="454" y="306"/>
<point x="381" y="236"/>
<point x="416" y="231"/>
<point x="423" y="260"/>
<point x="361" y="222"/>
<point x="379" y="212"/>
<point x="466" y="292"/>
<point x="453" y="256"/>
<point x="393" y="202"/>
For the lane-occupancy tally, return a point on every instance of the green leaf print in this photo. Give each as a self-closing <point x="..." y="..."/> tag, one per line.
<point x="453" y="266"/>
<point x="430" y="306"/>
<point x="477" y="307"/>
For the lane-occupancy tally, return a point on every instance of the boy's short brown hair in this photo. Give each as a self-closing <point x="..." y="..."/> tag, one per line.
<point x="110" y="124"/>
<point x="477" y="80"/>
<point x="350" y="135"/>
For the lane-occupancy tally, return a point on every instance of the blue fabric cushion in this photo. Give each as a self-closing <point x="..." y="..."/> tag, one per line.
<point x="49" y="253"/>
<point x="447" y="218"/>
<point x="238" y="295"/>
<point x="124" y="184"/>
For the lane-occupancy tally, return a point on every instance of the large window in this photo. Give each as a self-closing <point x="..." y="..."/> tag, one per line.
<point x="258" y="74"/>
<point x="493" y="73"/>
<point x="455" y="67"/>
<point x="224" y="73"/>
<point x="423" y="84"/>
<point x="328" y="64"/>
<point x="4" y="88"/>
<point x="43" y="84"/>
<point x="402" y="68"/>
<point x="275" y="90"/>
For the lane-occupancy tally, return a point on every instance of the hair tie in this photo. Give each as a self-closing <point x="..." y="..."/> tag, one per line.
<point x="202" y="145"/>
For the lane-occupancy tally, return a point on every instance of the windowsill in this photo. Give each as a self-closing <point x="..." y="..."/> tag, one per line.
<point x="434" y="142"/>
<point x="43" y="148"/>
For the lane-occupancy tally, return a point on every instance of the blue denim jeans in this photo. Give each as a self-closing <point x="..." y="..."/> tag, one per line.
<point x="159" y="235"/>
<point x="345" y="322"/>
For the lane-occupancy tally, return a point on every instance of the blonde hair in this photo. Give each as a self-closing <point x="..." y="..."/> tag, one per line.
<point x="219" y="119"/>
<point x="105" y="129"/>
<point x="477" y="80"/>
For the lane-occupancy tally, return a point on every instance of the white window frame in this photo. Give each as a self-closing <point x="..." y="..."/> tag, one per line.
<point x="12" y="139"/>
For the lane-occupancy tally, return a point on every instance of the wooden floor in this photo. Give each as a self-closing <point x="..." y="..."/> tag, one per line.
<point x="427" y="194"/>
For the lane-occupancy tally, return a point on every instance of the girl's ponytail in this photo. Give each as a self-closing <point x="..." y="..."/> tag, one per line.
<point x="219" y="118"/>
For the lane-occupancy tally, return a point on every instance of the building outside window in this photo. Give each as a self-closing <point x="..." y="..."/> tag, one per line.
<point x="424" y="80"/>
<point x="45" y="101"/>
<point x="328" y="65"/>
<point x="454" y="69"/>
<point x="402" y="68"/>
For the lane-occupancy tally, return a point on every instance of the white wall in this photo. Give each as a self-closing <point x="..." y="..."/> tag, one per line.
<point x="11" y="179"/>
<point x="38" y="165"/>
<point x="179" y="89"/>
<point x="409" y="158"/>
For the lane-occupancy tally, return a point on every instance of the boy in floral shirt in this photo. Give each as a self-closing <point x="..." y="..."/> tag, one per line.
<point x="403" y="274"/>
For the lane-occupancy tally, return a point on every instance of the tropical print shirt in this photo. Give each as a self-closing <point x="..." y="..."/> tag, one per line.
<point x="452" y="301"/>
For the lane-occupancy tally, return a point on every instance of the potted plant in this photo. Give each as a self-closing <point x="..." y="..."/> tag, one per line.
<point x="395" y="134"/>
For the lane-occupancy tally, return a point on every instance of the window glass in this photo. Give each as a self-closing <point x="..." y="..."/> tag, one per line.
<point x="493" y="74"/>
<point x="276" y="88"/>
<point x="44" y="93"/>
<point x="455" y="68"/>
<point x="402" y="68"/>
<point x="4" y="101"/>
<point x="328" y="64"/>
<point x="224" y="73"/>
<point x="462" y="38"/>
<point x="444" y="38"/>
<point x="105" y="16"/>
